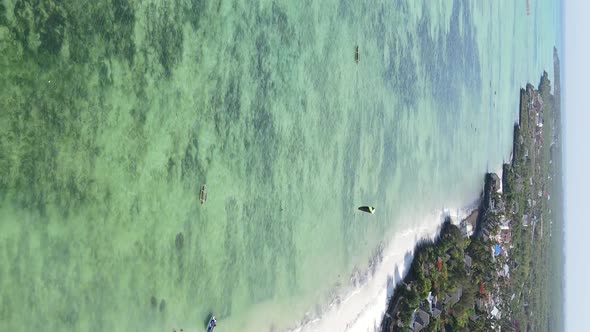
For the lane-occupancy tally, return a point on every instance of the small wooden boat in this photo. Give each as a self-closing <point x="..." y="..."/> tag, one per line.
<point x="357" y="56"/>
<point x="368" y="209"/>
<point x="212" y="324"/>
<point x="203" y="194"/>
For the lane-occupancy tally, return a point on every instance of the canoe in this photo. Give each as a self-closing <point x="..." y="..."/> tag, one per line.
<point x="203" y="194"/>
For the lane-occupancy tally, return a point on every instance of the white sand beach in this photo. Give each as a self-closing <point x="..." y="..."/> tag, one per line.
<point x="363" y="307"/>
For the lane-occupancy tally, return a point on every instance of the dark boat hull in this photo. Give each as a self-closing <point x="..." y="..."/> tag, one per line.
<point x="368" y="209"/>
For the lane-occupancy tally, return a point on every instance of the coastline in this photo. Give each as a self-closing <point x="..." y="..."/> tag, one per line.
<point x="361" y="305"/>
<point x="461" y="223"/>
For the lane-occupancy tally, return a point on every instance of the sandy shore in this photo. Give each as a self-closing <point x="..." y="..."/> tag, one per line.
<point x="361" y="305"/>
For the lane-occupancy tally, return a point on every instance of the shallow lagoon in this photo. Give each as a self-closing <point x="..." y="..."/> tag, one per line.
<point x="114" y="113"/>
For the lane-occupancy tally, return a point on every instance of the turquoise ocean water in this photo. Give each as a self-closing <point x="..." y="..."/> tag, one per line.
<point x="113" y="113"/>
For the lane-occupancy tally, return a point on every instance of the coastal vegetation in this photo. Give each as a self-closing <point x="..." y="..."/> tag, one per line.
<point x="501" y="268"/>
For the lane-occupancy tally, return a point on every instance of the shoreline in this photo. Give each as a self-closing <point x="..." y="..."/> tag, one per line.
<point x="362" y="304"/>
<point x="492" y="184"/>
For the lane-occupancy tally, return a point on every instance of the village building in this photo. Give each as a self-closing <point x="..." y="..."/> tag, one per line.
<point x="451" y="300"/>
<point x="496" y="313"/>
<point x="504" y="236"/>
<point x="421" y="320"/>
<point x="468" y="262"/>
<point x="525" y="220"/>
